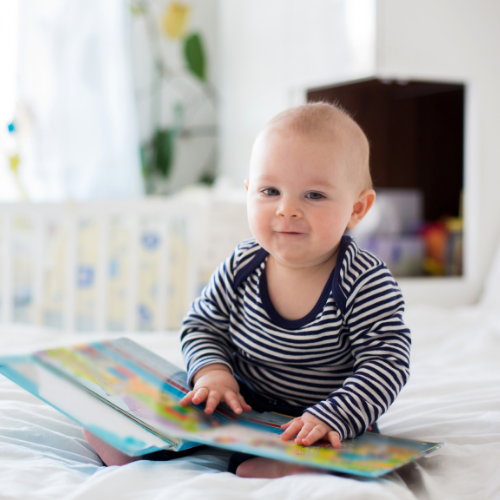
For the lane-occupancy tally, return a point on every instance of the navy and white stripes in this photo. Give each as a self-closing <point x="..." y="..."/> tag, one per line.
<point x="346" y="360"/>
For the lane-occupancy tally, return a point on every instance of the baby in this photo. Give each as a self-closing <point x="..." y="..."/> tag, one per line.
<point x="299" y="319"/>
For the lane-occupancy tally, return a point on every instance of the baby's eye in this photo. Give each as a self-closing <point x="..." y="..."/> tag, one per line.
<point x="314" y="196"/>
<point x="271" y="192"/>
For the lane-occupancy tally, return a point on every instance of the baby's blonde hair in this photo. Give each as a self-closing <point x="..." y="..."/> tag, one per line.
<point x="331" y="121"/>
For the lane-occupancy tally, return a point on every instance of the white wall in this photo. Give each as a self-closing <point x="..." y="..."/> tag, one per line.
<point x="455" y="40"/>
<point x="271" y="50"/>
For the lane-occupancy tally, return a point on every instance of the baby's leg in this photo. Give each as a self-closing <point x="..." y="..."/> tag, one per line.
<point x="269" y="469"/>
<point x="109" y="455"/>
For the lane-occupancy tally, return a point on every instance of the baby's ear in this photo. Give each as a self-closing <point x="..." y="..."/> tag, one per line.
<point x="246" y="184"/>
<point x="361" y="207"/>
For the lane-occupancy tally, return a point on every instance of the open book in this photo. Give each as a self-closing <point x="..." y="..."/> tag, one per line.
<point x="129" y="397"/>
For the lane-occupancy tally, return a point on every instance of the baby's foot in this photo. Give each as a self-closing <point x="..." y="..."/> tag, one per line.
<point x="269" y="469"/>
<point x="109" y="455"/>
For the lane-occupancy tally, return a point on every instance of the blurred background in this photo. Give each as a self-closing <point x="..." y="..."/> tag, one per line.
<point x="126" y="128"/>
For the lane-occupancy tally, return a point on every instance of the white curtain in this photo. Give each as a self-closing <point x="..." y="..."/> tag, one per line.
<point x="78" y="133"/>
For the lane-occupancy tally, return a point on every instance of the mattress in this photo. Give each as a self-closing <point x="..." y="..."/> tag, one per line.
<point x="453" y="396"/>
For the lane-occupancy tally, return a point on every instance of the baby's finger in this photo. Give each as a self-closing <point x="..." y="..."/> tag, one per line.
<point x="200" y="395"/>
<point x="285" y="426"/>
<point x="316" y="433"/>
<point x="306" y="429"/>
<point x="243" y="403"/>
<point x="231" y="399"/>
<point x="334" y="439"/>
<point x="212" y="402"/>
<point x="292" y="430"/>
<point x="187" y="398"/>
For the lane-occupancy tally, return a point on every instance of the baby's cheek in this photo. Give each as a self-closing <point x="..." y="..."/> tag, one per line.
<point x="256" y="229"/>
<point x="259" y="225"/>
<point x="332" y="231"/>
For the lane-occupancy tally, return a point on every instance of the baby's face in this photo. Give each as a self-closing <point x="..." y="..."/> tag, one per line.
<point x="300" y="196"/>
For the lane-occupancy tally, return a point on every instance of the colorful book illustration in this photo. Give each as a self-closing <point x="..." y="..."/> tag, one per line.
<point x="129" y="397"/>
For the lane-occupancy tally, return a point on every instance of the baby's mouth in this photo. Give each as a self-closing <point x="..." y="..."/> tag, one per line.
<point x="290" y="233"/>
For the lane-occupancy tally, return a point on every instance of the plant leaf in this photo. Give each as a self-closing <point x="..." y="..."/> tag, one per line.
<point x="136" y="9"/>
<point x="194" y="54"/>
<point x="163" y="147"/>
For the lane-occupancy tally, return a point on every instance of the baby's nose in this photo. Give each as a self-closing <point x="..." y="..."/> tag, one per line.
<point x="288" y="209"/>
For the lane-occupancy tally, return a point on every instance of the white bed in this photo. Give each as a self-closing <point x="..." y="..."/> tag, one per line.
<point x="453" y="396"/>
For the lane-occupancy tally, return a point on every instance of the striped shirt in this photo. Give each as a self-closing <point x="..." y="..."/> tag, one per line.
<point x="346" y="360"/>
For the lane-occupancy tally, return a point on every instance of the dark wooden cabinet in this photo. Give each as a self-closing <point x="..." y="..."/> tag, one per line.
<point x="416" y="132"/>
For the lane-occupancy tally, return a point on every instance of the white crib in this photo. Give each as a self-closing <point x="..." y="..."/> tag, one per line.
<point x="120" y="266"/>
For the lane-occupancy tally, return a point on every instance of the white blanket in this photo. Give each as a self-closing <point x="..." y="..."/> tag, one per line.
<point x="453" y="396"/>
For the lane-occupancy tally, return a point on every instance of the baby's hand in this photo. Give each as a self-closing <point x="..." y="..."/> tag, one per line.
<point x="214" y="384"/>
<point x="309" y="429"/>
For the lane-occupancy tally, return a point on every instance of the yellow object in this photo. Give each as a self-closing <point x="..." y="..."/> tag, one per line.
<point x="14" y="166"/>
<point x="14" y="163"/>
<point x="175" y="19"/>
<point x="433" y="267"/>
<point x="454" y="224"/>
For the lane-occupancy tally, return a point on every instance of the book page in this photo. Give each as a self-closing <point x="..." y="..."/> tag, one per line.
<point x="148" y="389"/>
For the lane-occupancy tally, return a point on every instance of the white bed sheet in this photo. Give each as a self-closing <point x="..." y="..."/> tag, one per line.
<point x="453" y="396"/>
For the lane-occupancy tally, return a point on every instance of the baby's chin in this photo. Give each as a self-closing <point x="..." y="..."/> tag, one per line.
<point x="295" y="250"/>
<point x="294" y="257"/>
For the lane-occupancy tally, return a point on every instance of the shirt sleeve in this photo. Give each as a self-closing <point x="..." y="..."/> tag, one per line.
<point x="204" y="334"/>
<point x="380" y="344"/>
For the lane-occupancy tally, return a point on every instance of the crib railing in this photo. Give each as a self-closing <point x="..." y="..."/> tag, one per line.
<point x="99" y="266"/>
<point x="120" y="266"/>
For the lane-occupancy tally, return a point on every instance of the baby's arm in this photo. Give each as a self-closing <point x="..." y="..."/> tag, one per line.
<point x="205" y="337"/>
<point x="380" y="343"/>
<point x="214" y="384"/>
